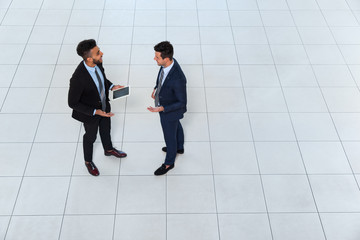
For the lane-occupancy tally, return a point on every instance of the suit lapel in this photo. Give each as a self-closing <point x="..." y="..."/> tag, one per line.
<point x="88" y="79"/>
<point x="169" y="74"/>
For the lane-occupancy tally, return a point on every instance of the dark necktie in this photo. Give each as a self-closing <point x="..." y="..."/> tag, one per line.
<point x="102" y="91"/>
<point x="158" y="88"/>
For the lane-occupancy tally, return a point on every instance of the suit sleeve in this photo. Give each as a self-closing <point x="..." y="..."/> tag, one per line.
<point x="75" y="91"/>
<point x="180" y="94"/>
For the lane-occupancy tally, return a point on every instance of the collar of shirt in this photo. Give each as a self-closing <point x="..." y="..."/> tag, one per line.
<point x="167" y="70"/>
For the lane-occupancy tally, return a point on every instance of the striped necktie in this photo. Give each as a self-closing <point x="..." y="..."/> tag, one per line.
<point x="157" y="102"/>
<point x="102" y="91"/>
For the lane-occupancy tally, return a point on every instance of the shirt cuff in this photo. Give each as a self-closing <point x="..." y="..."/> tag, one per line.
<point x="94" y="112"/>
<point x="111" y="86"/>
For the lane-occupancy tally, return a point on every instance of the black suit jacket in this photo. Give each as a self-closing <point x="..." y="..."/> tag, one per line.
<point x="172" y="95"/>
<point x="84" y="96"/>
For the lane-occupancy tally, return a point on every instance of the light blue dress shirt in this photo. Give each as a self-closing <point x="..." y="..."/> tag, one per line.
<point x="92" y="73"/>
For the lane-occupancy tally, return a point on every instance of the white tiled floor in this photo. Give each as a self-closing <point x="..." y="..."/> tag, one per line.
<point x="272" y="130"/>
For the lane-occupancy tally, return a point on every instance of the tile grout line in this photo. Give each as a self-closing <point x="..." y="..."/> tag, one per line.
<point x="124" y="122"/>
<point x="208" y="122"/>
<point x="249" y="119"/>
<point x="32" y="143"/>
<point x="289" y="113"/>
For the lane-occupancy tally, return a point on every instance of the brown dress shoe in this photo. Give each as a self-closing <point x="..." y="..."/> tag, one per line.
<point x="116" y="153"/>
<point x="92" y="168"/>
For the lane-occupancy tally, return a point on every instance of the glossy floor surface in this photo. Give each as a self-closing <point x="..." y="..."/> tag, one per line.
<point x="272" y="130"/>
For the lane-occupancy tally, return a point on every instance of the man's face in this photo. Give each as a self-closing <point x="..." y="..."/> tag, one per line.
<point x="96" y="55"/>
<point x="160" y="61"/>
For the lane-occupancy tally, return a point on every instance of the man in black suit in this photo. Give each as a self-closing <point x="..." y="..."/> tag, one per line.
<point x="89" y="99"/>
<point x="170" y="101"/>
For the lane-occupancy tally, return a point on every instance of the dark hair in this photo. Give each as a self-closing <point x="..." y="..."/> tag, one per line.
<point x="84" y="47"/>
<point x="166" y="49"/>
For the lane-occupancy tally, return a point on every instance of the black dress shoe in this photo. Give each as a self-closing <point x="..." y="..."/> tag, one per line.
<point x="92" y="168"/>
<point x="116" y="153"/>
<point x="180" y="151"/>
<point x="163" y="170"/>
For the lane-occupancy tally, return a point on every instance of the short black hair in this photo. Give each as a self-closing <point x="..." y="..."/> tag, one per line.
<point x="166" y="49"/>
<point x="84" y="47"/>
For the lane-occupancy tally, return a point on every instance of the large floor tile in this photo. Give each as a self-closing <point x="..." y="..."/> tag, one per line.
<point x="7" y="73"/>
<point x="34" y="97"/>
<point x="347" y="125"/>
<point x="324" y="158"/>
<point x="34" y="227"/>
<point x="333" y="76"/>
<point x="14" y="34"/>
<point x="195" y="160"/>
<point x="48" y="53"/>
<point x="190" y="194"/>
<point x="342" y="99"/>
<point x="51" y="159"/>
<point x="196" y="100"/>
<point x="97" y="227"/>
<point x="341" y="225"/>
<point x="196" y="127"/>
<point x="296" y="76"/>
<point x="4" y="222"/>
<point x="141" y="195"/>
<point x="335" y="193"/>
<point x="229" y="127"/>
<point x="53" y="17"/>
<point x="352" y="150"/>
<point x="153" y="227"/>
<point x="90" y="195"/>
<point x="259" y="76"/>
<point x="212" y="54"/>
<point x="244" y="226"/>
<point x="56" y="123"/>
<point x="222" y="76"/>
<point x="11" y="186"/>
<point x="289" y="54"/>
<point x="314" y="127"/>
<point x="305" y="100"/>
<point x="234" y="158"/>
<point x="279" y="158"/>
<point x="18" y="127"/>
<point x="33" y="76"/>
<point x="12" y="160"/>
<point x="271" y="127"/>
<point x="42" y="196"/>
<point x="143" y="127"/>
<point x="288" y="193"/>
<point x="225" y="100"/>
<point x="297" y="226"/>
<point x="254" y="54"/>
<point x="47" y="35"/>
<point x="265" y="100"/>
<point x="11" y="53"/>
<point x="192" y="227"/>
<point x="239" y="194"/>
<point x="284" y="35"/>
<point x="143" y="158"/>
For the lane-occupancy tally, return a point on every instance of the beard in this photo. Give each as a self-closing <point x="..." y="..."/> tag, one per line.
<point x="97" y="61"/>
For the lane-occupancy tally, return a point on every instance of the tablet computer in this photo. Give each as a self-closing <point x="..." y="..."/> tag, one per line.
<point x="121" y="92"/>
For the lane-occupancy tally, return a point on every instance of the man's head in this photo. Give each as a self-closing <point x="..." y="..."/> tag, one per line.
<point x="164" y="52"/>
<point x="90" y="52"/>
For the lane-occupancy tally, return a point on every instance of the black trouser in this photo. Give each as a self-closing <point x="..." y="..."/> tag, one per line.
<point x="104" y="126"/>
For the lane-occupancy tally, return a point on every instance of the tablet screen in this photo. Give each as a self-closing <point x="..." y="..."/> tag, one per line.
<point x="122" y="92"/>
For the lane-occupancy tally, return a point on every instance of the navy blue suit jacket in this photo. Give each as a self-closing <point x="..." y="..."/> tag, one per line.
<point x="84" y="95"/>
<point x="172" y="95"/>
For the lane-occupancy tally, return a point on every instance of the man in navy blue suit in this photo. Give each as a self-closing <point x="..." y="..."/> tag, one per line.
<point x="170" y="102"/>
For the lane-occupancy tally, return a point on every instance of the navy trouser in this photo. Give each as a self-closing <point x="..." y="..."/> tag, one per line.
<point x="174" y="138"/>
